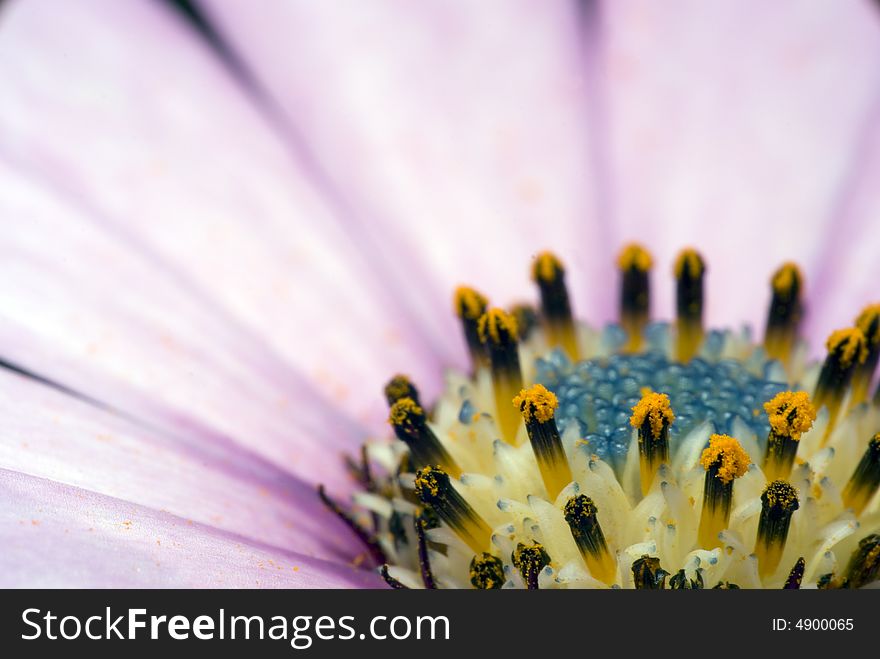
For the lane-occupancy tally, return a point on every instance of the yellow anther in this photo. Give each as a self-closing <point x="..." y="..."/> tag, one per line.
<point x="869" y="323"/>
<point x="546" y="267"/>
<point x="849" y="344"/>
<point x="469" y="303"/>
<point x="791" y="414"/>
<point x="691" y="260"/>
<point x="635" y="257"/>
<point x="536" y="403"/>
<point x="726" y="450"/>
<point x="654" y="407"/>
<point x="404" y="411"/>
<point x="786" y="278"/>
<point x="497" y="326"/>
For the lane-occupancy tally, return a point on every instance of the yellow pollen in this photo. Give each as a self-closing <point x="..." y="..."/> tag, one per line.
<point x="784" y="279"/>
<point x="634" y="256"/>
<point x="403" y="410"/>
<point x="727" y="450"/>
<point x="869" y="317"/>
<point x="791" y="414"/>
<point x="398" y="387"/>
<point x="781" y="495"/>
<point x="654" y="407"/>
<point x="546" y="267"/>
<point x="469" y="303"/>
<point x="850" y="343"/>
<point x="691" y="259"/>
<point x="495" y="322"/>
<point x="536" y="403"/>
<point x="427" y="482"/>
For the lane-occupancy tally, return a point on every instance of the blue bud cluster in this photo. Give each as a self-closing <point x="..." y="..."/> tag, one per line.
<point x="598" y="395"/>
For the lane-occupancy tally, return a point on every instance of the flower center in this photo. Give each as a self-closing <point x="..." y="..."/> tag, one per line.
<point x="645" y="455"/>
<point x="598" y="395"/>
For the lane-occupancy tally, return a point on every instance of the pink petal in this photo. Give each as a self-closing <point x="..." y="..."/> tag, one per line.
<point x="51" y="435"/>
<point x="848" y="273"/>
<point x="459" y="131"/>
<point x="734" y="127"/>
<point x="123" y="116"/>
<point x="94" y="312"/>
<point x="56" y="535"/>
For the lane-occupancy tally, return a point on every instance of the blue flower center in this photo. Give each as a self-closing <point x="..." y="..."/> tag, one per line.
<point x="598" y="395"/>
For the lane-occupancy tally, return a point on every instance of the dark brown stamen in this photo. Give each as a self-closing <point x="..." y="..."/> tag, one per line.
<point x="411" y="427"/>
<point x="778" y="503"/>
<point x="647" y="573"/>
<point x="548" y="273"/>
<point x="869" y="322"/>
<point x="865" y="481"/>
<point x="864" y="565"/>
<point x="680" y="581"/>
<point x="469" y="306"/>
<point x="530" y="560"/>
<point x="635" y="293"/>
<point x="424" y="562"/>
<point x="786" y="309"/>
<point x="399" y="387"/>
<point x="391" y="581"/>
<point x="689" y="273"/>
<point x="796" y="576"/>
<point x="486" y="572"/>
<point x="370" y="541"/>
<point x="434" y="489"/>
<point x="846" y="350"/>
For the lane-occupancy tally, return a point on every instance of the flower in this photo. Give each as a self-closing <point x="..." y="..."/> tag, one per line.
<point x="205" y="282"/>
<point x="633" y="455"/>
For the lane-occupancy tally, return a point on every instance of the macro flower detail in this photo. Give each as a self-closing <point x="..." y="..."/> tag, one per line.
<point x="226" y="230"/>
<point x="766" y="478"/>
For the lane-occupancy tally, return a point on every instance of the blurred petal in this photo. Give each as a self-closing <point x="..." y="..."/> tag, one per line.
<point x="93" y="312"/>
<point x="849" y="269"/>
<point x="55" y="535"/>
<point x="120" y="112"/>
<point x="459" y="130"/>
<point x="734" y="127"/>
<point x="52" y="435"/>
